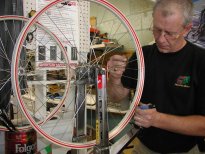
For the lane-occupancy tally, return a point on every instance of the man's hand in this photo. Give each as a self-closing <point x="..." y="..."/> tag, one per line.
<point x="145" y="118"/>
<point x="116" y="66"/>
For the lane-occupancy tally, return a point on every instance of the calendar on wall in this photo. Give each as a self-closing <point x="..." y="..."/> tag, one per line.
<point x="197" y="33"/>
<point x="69" y="30"/>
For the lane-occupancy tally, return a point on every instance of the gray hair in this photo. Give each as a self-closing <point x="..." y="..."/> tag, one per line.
<point x="186" y="6"/>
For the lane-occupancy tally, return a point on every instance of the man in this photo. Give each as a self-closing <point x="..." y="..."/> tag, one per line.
<point x="174" y="83"/>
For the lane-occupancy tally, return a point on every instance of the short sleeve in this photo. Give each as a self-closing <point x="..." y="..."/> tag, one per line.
<point x="130" y="76"/>
<point x="200" y="90"/>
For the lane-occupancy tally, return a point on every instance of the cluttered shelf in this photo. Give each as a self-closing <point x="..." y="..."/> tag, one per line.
<point x="107" y="45"/>
<point x="101" y="41"/>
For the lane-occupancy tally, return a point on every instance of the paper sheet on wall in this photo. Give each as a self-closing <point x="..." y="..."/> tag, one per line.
<point x="62" y="20"/>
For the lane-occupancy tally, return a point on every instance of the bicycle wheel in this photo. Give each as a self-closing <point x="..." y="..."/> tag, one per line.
<point x="7" y="44"/>
<point x="59" y="17"/>
<point x="10" y="24"/>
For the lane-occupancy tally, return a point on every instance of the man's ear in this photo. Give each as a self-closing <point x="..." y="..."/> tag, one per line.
<point x="187" y="29"/>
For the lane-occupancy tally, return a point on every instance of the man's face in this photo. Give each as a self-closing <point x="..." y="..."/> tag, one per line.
<point x="168" y="31"/>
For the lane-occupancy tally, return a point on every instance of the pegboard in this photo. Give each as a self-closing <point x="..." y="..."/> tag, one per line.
<point x="84" y="26"/>
<point x="81" y="20"/>
<point x="28" y="6"/>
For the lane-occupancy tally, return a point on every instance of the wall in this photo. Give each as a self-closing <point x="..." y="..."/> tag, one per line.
<point x="139" y="13"/>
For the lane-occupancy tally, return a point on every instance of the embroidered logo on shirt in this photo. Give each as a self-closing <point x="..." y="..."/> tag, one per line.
<point x="183" y="81"/>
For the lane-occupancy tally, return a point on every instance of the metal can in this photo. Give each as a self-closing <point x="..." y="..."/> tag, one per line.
<point x="22" y="142"/>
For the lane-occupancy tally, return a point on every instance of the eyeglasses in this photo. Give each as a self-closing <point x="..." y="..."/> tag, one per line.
<point x="168" y="35"/>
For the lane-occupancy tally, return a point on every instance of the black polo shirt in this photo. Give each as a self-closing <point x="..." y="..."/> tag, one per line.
<point x="175" y="83"/>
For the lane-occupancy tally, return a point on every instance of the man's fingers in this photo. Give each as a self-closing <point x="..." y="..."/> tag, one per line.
<point x="121" y="58"/>
<point x="117" y="63"/>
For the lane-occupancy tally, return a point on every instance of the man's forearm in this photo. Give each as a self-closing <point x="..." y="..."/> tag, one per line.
<point x="188" y="125"/>
<point x="116" y="91"/>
